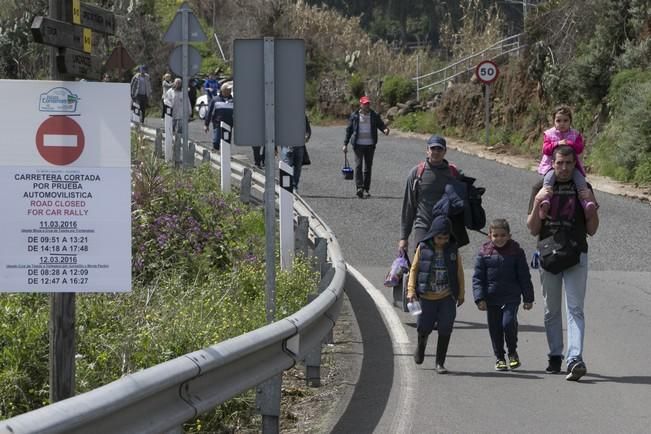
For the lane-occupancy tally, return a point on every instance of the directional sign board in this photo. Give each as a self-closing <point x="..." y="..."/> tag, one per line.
<point x="87" y="15"/>
<point x="487" y="71"/>
<point x="249" y="91"/>
<point x="176" y="60"/>
<point x="61" y="34"/>
<point x="174" y="32"/>
<point x="78" y="64"/>
<point x="119" y="59"/>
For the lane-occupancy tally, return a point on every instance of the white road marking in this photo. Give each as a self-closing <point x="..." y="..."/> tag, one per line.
<point x="402" y="420"/>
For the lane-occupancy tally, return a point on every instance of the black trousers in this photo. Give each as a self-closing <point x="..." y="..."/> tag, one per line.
<point x="503" y="326"/>
<point x="143" y="102"/>
<point x="363" y="165"/>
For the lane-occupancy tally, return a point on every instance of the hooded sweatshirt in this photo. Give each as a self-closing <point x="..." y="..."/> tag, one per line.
<point x="437" y="273"/>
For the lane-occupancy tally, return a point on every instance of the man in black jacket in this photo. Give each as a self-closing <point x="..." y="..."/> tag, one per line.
<point x="362" y="133"/>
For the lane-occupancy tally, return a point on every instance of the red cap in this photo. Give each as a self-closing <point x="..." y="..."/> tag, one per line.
<point x="364" y="100"/>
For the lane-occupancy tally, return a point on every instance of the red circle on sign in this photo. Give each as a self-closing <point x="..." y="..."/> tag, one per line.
<point x="60" y="140"/>
<point x="487" y="71"/>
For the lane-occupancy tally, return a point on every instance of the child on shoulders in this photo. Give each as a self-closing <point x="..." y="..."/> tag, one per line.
<point x="562" y="134"/>
<point x="501" y="279"/>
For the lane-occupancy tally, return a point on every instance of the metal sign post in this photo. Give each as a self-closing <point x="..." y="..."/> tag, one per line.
<point x="184" y="29"/>
<point x="262" y="70"/>
<point x="487" y="73"/>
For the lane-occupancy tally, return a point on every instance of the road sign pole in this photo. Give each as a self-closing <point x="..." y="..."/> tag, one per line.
<point x="62" y="305"/>
<point x="269" y="169"/>
<point x="184" y="92"/>
<point x="269" y="396"/>
<point x="487" y="113"/>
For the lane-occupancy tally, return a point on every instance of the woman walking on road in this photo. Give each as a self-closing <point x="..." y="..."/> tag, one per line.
<point x="363" y="125"/>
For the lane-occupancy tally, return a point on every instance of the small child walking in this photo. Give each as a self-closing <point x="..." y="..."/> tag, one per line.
<point x="501" y="279"/>
<point x="436" y="278"/>
<point x="562" y="134"/>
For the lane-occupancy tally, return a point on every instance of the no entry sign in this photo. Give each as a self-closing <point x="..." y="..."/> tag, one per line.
<point x="60" y="140"/>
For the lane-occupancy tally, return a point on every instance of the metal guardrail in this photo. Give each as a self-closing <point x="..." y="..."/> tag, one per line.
<point x="163" y="397"/>
<point x="467" y="64"/>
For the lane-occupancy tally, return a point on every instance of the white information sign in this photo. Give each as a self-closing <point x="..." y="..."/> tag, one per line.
<point x="66" y="187"/>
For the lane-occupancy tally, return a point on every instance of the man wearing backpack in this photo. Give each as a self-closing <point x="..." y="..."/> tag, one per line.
<point x="425" y="186"/>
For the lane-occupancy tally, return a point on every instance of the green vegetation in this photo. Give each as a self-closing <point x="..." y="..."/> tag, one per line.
<point x="198" y="279"/>
<point x="397" y="89"/>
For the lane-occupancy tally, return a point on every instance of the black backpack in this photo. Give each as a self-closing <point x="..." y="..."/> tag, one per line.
<point x="474" y="215"/>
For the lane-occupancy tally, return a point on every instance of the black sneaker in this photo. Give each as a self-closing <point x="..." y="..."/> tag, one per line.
<point x="576" y="370"/>
<point x="554" y="366"/>
<point x="367" y="194"/>
<point x="360" y="193"/>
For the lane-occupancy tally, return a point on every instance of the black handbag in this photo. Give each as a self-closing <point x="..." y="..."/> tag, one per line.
<point x="559" y="252"/>
<point x="306" y="158"/>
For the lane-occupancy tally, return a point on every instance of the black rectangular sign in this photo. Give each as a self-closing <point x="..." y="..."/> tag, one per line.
<point x="86" y="15"/>
<point x="60" y="34"/>
<point x="78" y="64"/>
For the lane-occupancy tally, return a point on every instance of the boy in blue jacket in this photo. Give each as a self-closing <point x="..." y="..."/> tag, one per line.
<point x="500" y="281"/>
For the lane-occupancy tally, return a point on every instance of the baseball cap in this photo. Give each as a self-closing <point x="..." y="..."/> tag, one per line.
<point x="364" y="100"/>
<point x="436" y="142"/>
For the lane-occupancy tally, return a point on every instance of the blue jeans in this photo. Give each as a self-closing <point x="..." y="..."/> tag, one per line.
<point x="294" y="157"/>
<point x="575" y="281"/>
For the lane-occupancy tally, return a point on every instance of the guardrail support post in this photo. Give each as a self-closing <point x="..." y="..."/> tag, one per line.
<point x="205" y="156"/>
<point x="300" y="240"/>
<point x="245" y="186"/>
<point x="321" y="254"/>
<point x="268" y="404"/>
<point x="177" y="150"/>
<point x="158" y="144"/>
<point x="190" y="156"/>
<point x="313" y="359"/>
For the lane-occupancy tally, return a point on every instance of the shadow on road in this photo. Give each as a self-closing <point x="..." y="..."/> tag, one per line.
<point x="468" y="325"/>
<point x="591" y="378"/>
<point x="524" y="375"/>
<point x="371" y="394"/>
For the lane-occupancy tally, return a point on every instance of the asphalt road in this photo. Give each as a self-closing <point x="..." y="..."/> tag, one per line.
<point x="394" y="395"/>
<point x="613" y="397"/>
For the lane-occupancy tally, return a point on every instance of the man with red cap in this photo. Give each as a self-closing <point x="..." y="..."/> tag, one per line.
<point x="361" y="132"/>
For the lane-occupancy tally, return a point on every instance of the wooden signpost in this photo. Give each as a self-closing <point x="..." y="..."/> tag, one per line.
<point x="90" y="16"/>
<point x="70" y="57"/>
<point x="73" y="35"/>
<point x="61" y="34"/>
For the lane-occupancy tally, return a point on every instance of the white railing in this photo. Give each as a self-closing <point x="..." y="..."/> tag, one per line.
<point x="466" y="65"/>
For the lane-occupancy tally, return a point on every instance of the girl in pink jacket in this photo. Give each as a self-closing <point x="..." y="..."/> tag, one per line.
<point x="562" y="134"/>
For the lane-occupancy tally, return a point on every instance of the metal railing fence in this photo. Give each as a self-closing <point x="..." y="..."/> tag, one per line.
<point x="438" y="80"/>
<point x="161" y="398"/>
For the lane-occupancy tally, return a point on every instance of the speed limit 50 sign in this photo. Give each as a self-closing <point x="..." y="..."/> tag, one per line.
<point x="487" y="71"/>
